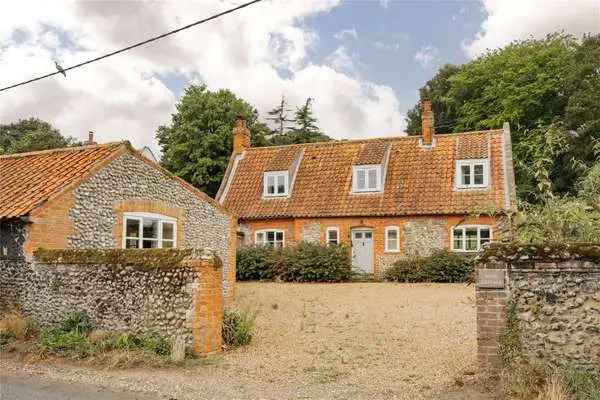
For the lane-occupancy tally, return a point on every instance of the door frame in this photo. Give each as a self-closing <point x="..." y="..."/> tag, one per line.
<point x="372" y="258"/>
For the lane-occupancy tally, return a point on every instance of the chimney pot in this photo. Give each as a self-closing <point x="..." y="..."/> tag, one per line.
<point x="241" y="135"/>
<point x="427" y="124"/>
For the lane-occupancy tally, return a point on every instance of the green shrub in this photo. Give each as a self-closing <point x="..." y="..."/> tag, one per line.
<point x="255" y="263"/>
<point x="71" y="344"/>
<point x="305" y="262"/>
<point x="76" y="322"/>
<point x="238" y="327"/>
<point x="151" y="343"/>
<point x="442" y="266"/>
<point x="313" y="262"/>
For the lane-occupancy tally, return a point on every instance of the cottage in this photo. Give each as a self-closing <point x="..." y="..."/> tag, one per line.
<point x="106" y="196"/>
<point x="386" y="198"/>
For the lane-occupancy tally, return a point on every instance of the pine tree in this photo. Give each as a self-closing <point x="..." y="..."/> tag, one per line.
<point x="279" y="117"/>
<point x="306" y="129"/>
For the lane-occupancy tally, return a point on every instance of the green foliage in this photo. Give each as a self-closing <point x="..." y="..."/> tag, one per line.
<point x="255" y="263"/>
<point x="280" y="119"/>
<point x="305" y="129"/>
<point x="442" y="266"/>
<point x="6" y="337"/>
<point x="510" y="346"/>
<point x="305" y="262"/>
<point x="71" y="338"/>
<point x="196" y="146"/>
<point x="584" y="384"/>
<point x="31" y="135"/>
<point x="544" y="87"/>
<point x="589" y="186"/>
<point x="557" y="220"/>
<point x="238" y="327"/>
<point x="314" y="262"/>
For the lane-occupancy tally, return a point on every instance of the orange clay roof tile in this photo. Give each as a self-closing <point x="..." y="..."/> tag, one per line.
<point x="419" y="181"/>
<point x="29" y="179"/>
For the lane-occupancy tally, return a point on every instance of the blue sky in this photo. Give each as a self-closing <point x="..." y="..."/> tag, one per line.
<point x="362" y="61"/>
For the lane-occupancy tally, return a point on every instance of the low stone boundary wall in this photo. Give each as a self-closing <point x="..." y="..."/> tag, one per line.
<point x="554" y="295"/>
<point x="174" y="293"/>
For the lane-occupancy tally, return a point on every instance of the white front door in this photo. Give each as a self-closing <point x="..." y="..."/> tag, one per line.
<point x="362" y="250"/>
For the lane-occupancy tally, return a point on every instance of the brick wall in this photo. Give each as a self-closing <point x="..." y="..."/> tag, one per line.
<point x="173" y="299"/>
<point x="555" y="298"/>
<point x="425" y="233"/>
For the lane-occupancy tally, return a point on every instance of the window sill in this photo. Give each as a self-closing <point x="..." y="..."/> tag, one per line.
<point x="277" y="196"/>
<point x="391" y="252"/>
<point x="368" y="192"/>
<point x="472" y="188"/>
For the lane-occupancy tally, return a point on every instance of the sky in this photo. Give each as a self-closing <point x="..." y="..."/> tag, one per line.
<point x="362" y="61"/>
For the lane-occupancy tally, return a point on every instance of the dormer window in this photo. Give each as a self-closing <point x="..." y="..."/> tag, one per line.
<point x="472" y="174"/>
<point x="366" y="178"/>
<point x="276" y="184"/>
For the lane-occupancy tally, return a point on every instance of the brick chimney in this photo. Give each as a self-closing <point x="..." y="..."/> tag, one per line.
<point x="241" y="136"/>
<point x="427" y="123"/>
<point x="90" y="140"/>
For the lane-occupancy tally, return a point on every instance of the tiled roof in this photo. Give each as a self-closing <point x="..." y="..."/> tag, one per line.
<point x="29" y="179"/>
<point x="419" y="180"/>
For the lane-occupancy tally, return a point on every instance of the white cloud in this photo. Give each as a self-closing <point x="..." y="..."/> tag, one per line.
<point x="508" y="20"/>
<point x="259" y="53"/>
<point x="384" y="3"/>
<point x="426" y="56"/>
<point x="346" y="33"/>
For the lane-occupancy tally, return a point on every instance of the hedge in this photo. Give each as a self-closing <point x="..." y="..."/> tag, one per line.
<point x="442" y="266"/>
<point x="305" y="262"/>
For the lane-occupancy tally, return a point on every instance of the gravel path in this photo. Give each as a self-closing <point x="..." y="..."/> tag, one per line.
<point x="321" y="341"/>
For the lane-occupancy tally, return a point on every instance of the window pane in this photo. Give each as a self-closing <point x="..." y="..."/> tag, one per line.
<point x="279" y="236"/>
<point x="392" y="234"/>
<point x="333" y="234"/>
<point x="132" y="228"/>
<point x="270" y="236"/>
<point x="132" y="243"/>
<point x="358" y="235"/>
<point x="270" y="185"/>
<point x="368" y="235"/>
<point x="360" y="179"/>
<point x="260" y="238"/>
<point x="167" y="244"/>
<point x="471" y="236"/>
<point x="372" y="179"/>
<point x="280" y="184"/>
<point x="458" y="239"/>
<point x="392" y="245"/>
<point x="484" y="236"/>
<point x="149" y="244"/>
<point x="478" y="174"/>
<point x="465" y="174"/>
<point x="150" y="230"/>
<point x="168" y="231"/>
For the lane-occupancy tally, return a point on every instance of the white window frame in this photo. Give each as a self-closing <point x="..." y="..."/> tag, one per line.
<point x="472" y="163"/>
<point x="387" y="230"/>
<point x="332" y="229"/>
<point x="140" y="217"/>
<point x="366" y="168"/>
<point x="276" y="175"/>
<point x="464" y="242"/>
<point x="265" y="242"/>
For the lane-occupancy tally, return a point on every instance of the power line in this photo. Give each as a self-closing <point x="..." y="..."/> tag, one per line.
<point x="136" y="44"/>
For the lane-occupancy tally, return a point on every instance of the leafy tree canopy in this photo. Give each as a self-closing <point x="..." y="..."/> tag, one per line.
<point x="31" y="135"/>
<point x="196" y="146"/>
<point x="546" y="89"/>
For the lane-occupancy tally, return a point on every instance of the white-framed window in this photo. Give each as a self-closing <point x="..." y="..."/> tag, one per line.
<point x="469" y="238"/>
<point x="149" y="231"/>
<point x="392" y="239"/>
<point x="333" y="235"/>
<point x="276" y="183"/>
<point x="472" y="173"/>
<point x="366" y="178"/>
<point x="269" y="237"/>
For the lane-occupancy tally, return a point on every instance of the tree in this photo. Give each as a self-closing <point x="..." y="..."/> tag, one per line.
<point x="279" y="117"/>
<point x="31" y="135"/>
<point x="196" y="146"/>
<point x="305" y="128"/>
<point x="546" y="89"/>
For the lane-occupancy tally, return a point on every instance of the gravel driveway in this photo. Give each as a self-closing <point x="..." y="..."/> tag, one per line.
<point x="324" y="341"/>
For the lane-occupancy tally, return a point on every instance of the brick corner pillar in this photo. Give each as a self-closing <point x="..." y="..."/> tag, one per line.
<point x="492" y="296"/>
<point x="208" y="305"/>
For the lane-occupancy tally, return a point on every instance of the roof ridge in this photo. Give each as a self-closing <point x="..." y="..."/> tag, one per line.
<point x="63" y="149"/>
<point x="366" y="140"/>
